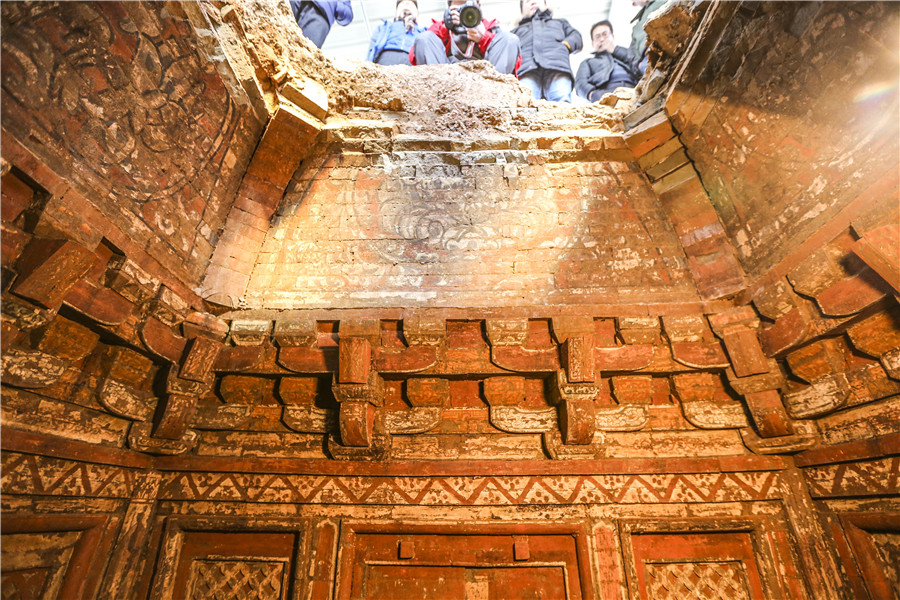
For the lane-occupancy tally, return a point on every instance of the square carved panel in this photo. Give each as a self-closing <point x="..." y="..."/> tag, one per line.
<point x="228" y="559"/>
<point x="696" y="566"/>
<point x="237" y="579"/>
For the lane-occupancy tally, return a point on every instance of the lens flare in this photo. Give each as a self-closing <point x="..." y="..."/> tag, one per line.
<point x="875" y="91"/>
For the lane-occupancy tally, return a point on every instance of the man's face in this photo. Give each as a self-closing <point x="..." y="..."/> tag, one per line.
<point x="529" y="7"/>
<point x="407" y="7"/>
<point x="601" y="36"/>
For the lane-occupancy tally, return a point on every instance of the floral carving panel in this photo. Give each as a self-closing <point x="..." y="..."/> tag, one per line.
<point x="117" y="99"/>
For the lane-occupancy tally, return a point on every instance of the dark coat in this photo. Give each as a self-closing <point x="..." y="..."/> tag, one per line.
<point x="542" y="39"/>
<point x="333" y="10"/>
<point x="594" y="73"/>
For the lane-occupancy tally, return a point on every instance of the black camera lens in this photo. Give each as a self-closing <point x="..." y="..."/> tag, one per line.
<point x="470" y="16"/>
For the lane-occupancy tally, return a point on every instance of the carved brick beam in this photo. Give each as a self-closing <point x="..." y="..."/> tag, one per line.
<point x="428" y="397"/>
<point x="505" y="394"/>
<point x="193" y="358"/>
<point x="752" y="374"/>
<point x="356" y="365"/>
<point x="837" y="377"/>
<point x="574" y="391"/>
<point x="880" y="250"/>
<point x="47" y="269"/>
<point x="119" y="388"/>
<point x="822" y="365"/>
<point x="759" y="380"/>
<point x="693" y="344"/>
<point x="31" y="369"/>
<point x="706" y="403"/>
<point x="879" y="336"/>
<point x="585" y="349"/>
<point x="302" y="349"/>
<point x="840" y="284"/>
<point x="109" y="290"/>
<point x="357" y="387"/>
<point x="792" y="319"/>
<point x="507" y="338"/>
<point x="53" y="272"/>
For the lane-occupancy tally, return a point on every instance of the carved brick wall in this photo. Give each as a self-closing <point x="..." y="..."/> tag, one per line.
<point x="774" y="175"/>
<point x="213" y="532"/>
<point x="526" y="218"/>
<point x="218" y="563"/>
<point x="543" y="394"/>
<point x="55" y="555"/>
<point x="118" y="99"/>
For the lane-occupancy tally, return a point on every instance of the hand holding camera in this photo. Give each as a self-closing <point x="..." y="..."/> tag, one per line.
<point x="465" y="19"/>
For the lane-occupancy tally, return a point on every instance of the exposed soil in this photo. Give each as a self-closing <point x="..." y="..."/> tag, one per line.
<point x="467" y="99"/>
<point x="463" y="100"/>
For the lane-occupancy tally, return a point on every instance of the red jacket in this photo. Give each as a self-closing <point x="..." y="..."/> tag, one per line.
<point x="438" y="28"/>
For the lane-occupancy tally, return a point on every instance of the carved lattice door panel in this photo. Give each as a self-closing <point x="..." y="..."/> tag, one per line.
<point x="234" y="566"/>
<point x="697" y="566"/>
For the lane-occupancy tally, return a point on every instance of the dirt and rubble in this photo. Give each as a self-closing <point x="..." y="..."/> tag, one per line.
<point x="469" y="99"/>
<point x="464" y="100"/>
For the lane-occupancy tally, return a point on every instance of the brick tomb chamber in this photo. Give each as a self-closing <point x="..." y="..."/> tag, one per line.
<point x="281" y="327"/>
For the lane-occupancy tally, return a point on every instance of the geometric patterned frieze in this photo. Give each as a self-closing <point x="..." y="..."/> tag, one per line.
<point x="867" y="478"/>
<point x="39" y="475"/>
<point x="697" y="581"/>
<point x="473" y="490"/>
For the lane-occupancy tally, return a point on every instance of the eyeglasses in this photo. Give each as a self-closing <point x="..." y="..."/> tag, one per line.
<point x="601" y="35"/>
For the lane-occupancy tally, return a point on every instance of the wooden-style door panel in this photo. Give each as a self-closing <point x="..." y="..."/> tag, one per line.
<point x="464" y="562"/>
<point x="871" y="555"/>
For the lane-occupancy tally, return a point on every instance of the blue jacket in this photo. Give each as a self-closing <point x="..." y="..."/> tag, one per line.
<point x="334" y="10"/>
<point x="392" y="35"/>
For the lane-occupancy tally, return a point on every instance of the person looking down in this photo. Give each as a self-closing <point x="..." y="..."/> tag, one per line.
<point x="546" y="46"/>
<point x="391" y="42"/>
<point x="609" y="67"/>
<point x="439" y="45"/>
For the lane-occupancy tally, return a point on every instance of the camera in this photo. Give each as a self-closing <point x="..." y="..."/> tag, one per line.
<point x="469" y="17"/>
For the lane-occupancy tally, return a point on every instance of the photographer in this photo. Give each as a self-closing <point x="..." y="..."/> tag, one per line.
<point x="449" y="41"/>
<point x="392" y="40"/>
<point x="546" y="45"/>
